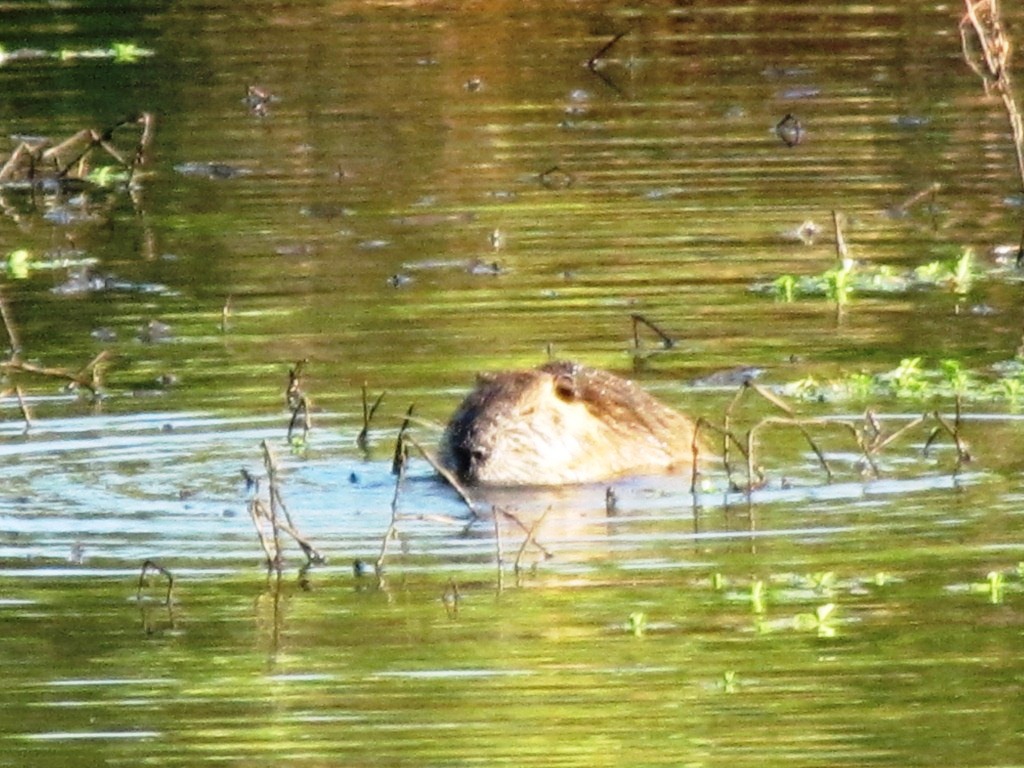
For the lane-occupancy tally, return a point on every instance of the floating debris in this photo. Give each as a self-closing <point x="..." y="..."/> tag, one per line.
<point x="555" y="178"/>
<point x="258" y="100"/>
<point x="790" y="130"/>
<point x="154" y="331"/>
<point x="730" y="377"/>
<point x="211" y="170"/>
<point x="806" y="233"/>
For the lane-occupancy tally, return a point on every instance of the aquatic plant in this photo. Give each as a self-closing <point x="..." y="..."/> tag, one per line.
<point x="915" y="379"/>
<point x="995" y="586"/>
<point x="729" y="681"/>
<point x="17" y="264"/>
<point x="119" y="52"/>
<point x="637" y="623"/>
<point x="851" y="278"/>
<point x="758" y="595"/>
<point x="821" y="621"/>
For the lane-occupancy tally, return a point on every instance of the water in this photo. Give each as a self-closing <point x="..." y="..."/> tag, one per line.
<point x="436" y="191"/>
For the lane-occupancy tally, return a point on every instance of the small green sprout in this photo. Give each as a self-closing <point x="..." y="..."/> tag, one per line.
<point x="963" y="271"/>
<point x="128" y="53"/>
<point x="958" y="378"/>
<point x="821" y="621"/>
<point x="907" y="378"/>
<point x="729" y="681"/>
<point x="995" y="587"/>
<point x="637" y="623"/>
<point x="861" y="386"/>
<point x="717" y="581"/>
<point x="758" y="593"/>
<point x="839" y="283"/>
<point x="823" y="582"/>
<point x="18" y="264"/>
<point x="881" y="579"/>
<point x="785" y="288"/>
<point x="107" y="176"/>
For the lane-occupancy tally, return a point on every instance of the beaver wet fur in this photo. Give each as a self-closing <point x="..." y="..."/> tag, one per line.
<point x="562" y="423"/>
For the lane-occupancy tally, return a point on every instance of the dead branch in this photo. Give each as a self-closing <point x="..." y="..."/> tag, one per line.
<point x="986" y="50"/>
<point x="150" y="565"/>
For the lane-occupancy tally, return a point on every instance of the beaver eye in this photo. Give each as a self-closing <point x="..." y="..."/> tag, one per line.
<point x="565" y="388"/>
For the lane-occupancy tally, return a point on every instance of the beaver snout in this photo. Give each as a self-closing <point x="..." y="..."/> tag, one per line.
<point x="562" y="423"/>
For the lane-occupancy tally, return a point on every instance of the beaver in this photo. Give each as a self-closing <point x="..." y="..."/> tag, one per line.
<point x="562" y="423"/>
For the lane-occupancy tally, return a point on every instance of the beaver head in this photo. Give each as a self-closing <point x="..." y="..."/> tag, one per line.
<point x="562" y="423"/>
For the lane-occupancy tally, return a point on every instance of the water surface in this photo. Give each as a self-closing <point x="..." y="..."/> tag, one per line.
<point x="435" y="191"/>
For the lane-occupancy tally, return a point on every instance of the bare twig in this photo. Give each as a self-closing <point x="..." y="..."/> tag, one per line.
<point x="525" y="529"/>
<point x="12" y="333"/>
<point x="275" y="513"/>
<point x="151" y="565"/>
<point x="363" y="439"/>
<point x="666" y="341"/>
<point x="986" y="50"/>
<point x="393" y="526"/>
<point x="446" y="474"/>
<point x="301" y="410"/>
<point x="26" y="413"/>
<point x="531" y="538"/>
<point x="78" y="379"/>
<point x="402" y="430"/>
<point x="225" y="314"/>
<point x="842" y="252"/>
<point x="594" y="61"/>
<point x="498" y="546"/>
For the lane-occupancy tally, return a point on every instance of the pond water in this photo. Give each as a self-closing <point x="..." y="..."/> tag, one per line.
<point x="431" y="191"/>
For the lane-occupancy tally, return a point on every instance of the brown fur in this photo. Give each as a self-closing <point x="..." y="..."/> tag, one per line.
<point x="562" y="423"/>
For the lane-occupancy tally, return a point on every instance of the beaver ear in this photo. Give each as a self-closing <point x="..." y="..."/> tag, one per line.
<point x="565" y="387"/>
<point x="485" y="378"/>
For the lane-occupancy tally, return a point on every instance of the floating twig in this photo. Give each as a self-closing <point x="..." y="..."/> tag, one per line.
<point x="931" y="190"/>
<point x="555" y="178"/>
